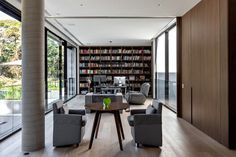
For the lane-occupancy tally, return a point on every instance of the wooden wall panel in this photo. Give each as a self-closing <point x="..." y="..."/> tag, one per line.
<point x="224" y="119"/>
<point x="232" y="72"/>
<point x="201" y="38"/>
<point x="186" y="108"/>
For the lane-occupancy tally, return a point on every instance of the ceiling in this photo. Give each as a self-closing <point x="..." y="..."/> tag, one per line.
<point x="92" y="22"/>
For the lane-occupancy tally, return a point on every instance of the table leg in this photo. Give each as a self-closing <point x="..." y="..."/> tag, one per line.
<point x="121" y="127"/>
<point x="97" y="128"/>
<point x="118" y="128"/>
<point x="94" y="128"/>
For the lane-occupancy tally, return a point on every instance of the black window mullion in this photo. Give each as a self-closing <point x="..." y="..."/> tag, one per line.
<point x="166" y="66"/>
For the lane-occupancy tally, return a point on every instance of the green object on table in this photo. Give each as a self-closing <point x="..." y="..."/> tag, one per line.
<point x="106" y="102"/>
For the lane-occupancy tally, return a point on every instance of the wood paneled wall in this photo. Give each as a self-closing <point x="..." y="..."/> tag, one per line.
<point x="204" y="67"/>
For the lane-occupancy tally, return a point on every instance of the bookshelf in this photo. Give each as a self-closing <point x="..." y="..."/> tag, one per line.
<point x="132" y="62"/>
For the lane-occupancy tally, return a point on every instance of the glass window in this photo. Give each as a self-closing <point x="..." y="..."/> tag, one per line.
<point x="160" y="63"/>
<point x="172" y="72"/>
<point x="166" y="74"/>
<point x="10" y="75"/>
<point x="53" y="71"/>
<point x="71" y="71"/>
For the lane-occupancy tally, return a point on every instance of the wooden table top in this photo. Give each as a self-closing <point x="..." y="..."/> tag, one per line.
<point x="114" y="106"/>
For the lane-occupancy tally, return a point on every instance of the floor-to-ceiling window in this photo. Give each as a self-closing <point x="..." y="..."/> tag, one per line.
<point x="160" y="63"/>
<point x="53" y="70"/>
<point x="172" y="69"/>
<point x="71" y="71"/>
<point x="166" y="68"/>
<point x="10" y="74"/>
<point x="61" y="70"/>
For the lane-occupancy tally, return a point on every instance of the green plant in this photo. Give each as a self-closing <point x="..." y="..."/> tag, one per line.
<point x="106" y="102"/>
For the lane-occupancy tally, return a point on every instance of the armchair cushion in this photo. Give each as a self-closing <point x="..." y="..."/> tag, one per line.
<point x="135" y="98"/>
<point x="150" y="110"/>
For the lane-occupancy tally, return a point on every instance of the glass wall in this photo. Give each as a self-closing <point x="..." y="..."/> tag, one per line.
<point x="160" y="63"/>
<point x="71" y="71"/>
<point x="53" y="71"/>
<point x="10" y="75"/>
<point x="172" y="72"/>
<point x="166" y="66"/>
<point x="61" y="70"/>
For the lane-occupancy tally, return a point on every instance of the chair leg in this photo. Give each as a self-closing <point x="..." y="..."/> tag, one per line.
<point x="77" y="145"/>
<point x="138" y="145"/>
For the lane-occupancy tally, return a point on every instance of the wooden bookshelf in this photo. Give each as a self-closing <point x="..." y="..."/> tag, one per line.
<point x="132" y="62"/>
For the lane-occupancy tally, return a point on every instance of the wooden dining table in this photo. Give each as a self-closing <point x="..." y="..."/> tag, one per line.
<point x="114" y="108"/>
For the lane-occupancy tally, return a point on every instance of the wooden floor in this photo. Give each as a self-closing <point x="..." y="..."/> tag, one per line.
<point x="180" y="139"/>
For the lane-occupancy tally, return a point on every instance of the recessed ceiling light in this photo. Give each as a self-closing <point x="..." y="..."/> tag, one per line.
<point x="71" y="24"/>
<point x="81" y="5"/>
<point x="58" y="14"/>
<point x="158" y="4"/>
<point x="110" y="41"/>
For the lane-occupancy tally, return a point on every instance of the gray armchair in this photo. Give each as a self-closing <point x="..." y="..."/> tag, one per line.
<point x="138" y="98"/>
<point x="68" y="129"/>
<point x="146" y="125"/>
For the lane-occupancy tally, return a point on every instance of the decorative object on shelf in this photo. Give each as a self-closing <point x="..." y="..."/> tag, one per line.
<point x="89" y="83"/>
<point x="106" y="103"/>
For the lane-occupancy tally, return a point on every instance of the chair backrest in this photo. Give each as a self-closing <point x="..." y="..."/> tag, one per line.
<point x="58" y="107"/>
<point x="145" y="89"/>
<point x="157" y="104"/>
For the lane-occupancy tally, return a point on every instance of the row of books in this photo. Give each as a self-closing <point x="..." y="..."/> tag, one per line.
<point x="114" y="64"/>
<point x="84" y="85"/>
<point x="118" y="71"/>
<point x="86" y="58"/>
<point x="130" y="78"/>
<point x="136" y="58"/>
<point x="135" y="85"/>
<point x="86" y="78"/>
<point x="114" y="51"/>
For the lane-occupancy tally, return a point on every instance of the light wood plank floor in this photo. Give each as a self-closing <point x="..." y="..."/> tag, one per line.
<point x="180" y="139"/>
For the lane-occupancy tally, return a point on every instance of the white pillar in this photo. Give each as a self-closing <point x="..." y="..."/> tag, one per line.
<point x="33" y="98"/>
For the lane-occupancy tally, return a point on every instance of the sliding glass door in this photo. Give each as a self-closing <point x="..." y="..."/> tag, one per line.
<point x="53" y="70"/>
<point x="166" y="68"/>
<point x="10" y="75"/>
<point x="61" y="70"/>
<point x="71" y="71"/>
<point x="161" y="71"/>
<point x="172" y="70"/>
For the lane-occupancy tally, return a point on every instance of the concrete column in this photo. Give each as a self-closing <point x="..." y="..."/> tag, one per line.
<point x="33" y="99"/>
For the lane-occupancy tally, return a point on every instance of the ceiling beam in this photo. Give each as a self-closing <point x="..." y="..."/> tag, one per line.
<point x="109" y="17"/>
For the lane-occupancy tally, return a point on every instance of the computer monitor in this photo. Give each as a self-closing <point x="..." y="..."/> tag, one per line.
<point x="119" y="81"/>
<point x="99" y="79"/>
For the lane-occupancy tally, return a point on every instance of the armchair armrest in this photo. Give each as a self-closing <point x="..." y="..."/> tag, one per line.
<point x="147" y="119"/>
<point x="68" y="119"/>
<point x="137" y="111"/>
<point x="81" y="112"/>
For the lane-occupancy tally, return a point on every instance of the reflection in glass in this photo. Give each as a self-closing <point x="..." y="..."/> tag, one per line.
<point x="172" y="84"/>
<point x="71" y="71"/>
<point x="160" y="63"/>
<point x="53" y="71"/>
<point x="10" y="75"/>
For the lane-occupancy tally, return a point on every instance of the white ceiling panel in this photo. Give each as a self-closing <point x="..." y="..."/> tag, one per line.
<point x="119" y="31"/>
<point x="66" y="16"/>
<point x="163" y="8"/>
